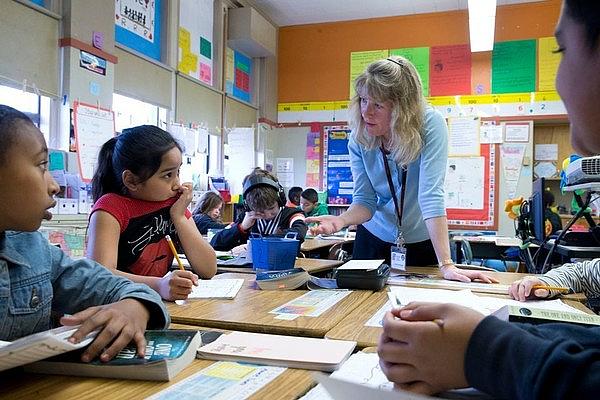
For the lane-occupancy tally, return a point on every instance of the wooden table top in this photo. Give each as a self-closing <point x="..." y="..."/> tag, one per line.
<point x="17" y="385"/>
<point x="310" y="265"/>
<point x="249" y="311"/>
<point x="352" y="327"/>
<point x="311" y="244"/>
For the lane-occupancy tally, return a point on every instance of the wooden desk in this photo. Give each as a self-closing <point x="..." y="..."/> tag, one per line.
<point x="310" y="265"/>
<point x="17" y="385"/>
<point x="249" y="311"/>
<point x="312" y="244"/>
<point x="485" y="246"/>
<point x="352" y="327"/>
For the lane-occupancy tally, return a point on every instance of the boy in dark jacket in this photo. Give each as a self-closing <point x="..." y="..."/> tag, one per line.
<point x="265" y="213"/>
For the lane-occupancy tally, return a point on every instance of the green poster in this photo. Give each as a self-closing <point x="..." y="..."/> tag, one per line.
<point x="419" y="56"/>
<point x="513" y="66"/>
<point x="205" y="48"/>
<point x="360" y="60"/>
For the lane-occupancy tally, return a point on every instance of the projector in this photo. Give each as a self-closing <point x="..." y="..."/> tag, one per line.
<point x="583" y="170"/>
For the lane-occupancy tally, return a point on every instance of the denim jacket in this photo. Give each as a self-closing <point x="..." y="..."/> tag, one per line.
<point x="38" y="281"/>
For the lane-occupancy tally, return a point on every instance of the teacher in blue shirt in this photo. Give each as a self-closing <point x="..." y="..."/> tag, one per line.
<point x="397" y="138"/>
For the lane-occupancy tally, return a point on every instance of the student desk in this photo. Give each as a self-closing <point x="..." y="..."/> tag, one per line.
<point x="249" y="311"/>
<point x="320" y="247"/>
<point x="485" y="246"/>
<point x="310" y="265"/>
<point x="352" y="327"/>
<point x="17" y="385"/>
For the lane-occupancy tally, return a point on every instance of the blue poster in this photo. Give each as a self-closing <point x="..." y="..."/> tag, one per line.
<point x="137" y="26"/>
<point x="339" y="175"/>
<point x="242" y="74"/>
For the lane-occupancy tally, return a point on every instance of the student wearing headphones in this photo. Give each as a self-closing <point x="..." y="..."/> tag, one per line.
<point x="265" y="213"/>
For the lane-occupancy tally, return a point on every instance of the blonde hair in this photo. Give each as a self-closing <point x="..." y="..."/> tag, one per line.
<point x="395" y="80"/>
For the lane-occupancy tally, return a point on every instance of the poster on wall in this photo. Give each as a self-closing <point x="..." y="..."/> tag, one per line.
<point x="93" y="126"/>
<point x="464" y="182"/>
<point x="313" y="155"/>
<point x="482" y="214"/>
<point x="195" y="39"/>
<point x="340" y="184"/>
<point x="137" y="26"/>
<point x="241" y="76"/>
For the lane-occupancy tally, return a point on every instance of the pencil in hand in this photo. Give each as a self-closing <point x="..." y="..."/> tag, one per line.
<point x="549" y="288"/>
<point x="172" y="247"/>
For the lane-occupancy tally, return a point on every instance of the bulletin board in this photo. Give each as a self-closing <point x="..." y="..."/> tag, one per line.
<point x="486" y="217"/>
<point x="137" y="26"/>
<point x="93" y="127"/>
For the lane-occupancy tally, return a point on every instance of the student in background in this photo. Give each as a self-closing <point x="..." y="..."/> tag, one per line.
<point x="265" y="213"/>
<point x="309" y="203"/>
<point x="38" y="281"/>
<point x="294" y="197"/>
<point x="207" y="214"/>
<point x="138" y="200"/>
<point x="550" y="217"/>
<point x="397" y="137"/>
<point x="429" y="348"/>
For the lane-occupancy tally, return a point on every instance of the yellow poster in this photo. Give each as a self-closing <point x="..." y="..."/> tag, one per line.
<point x="547" y="63"/>
<point x="359" y="60"/>
<point x="184" y="40"/>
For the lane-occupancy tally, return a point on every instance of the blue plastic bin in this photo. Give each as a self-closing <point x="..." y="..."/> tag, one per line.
<point x="274" y="253"/>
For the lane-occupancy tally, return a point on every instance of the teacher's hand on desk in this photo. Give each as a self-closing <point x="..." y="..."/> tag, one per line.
<point x="422" y="347"/>
<point x="327" y="224"/>
<point x="452" y="273"/>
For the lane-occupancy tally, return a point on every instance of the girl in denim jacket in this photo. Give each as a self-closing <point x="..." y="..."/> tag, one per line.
<point x="38" y="280"/>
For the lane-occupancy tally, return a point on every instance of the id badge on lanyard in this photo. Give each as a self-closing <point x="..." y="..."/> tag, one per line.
<point x="398" y="251"/>
<point x="398" y="254"/>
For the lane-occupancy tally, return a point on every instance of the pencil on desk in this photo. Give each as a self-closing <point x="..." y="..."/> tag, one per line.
<point x="557" y="288"/>
<point x="172" y="246"/>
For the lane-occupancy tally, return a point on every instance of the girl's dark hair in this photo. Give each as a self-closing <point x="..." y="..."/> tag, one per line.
<point x="9" y="117"/>
<point x="138" y="149"/>
<point x="208" y="201"/>
<point x="586" y="13"/>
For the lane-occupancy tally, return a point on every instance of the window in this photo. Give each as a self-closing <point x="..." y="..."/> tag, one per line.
<point x="35" y="107"/>
<point x="131" y="112"/>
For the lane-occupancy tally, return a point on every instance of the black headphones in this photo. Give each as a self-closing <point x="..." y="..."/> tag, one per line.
<point x="255" y="181"/>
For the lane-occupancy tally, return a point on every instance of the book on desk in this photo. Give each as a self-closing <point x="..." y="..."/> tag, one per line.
<point x="167" y="353"/>
<point x="278" y="350"/>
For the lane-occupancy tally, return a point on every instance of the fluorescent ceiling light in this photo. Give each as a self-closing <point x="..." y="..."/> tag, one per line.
<point x="482" y="22"/>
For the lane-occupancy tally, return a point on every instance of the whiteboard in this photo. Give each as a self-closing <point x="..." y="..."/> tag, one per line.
<point x="93" y="127"/>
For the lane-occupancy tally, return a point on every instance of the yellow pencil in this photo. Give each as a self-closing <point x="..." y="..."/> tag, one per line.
<point x="174" y="252"/>
<point x="557" y="288"/>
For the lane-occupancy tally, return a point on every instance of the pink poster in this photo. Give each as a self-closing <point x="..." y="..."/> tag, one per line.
<point x="450" y="70"/>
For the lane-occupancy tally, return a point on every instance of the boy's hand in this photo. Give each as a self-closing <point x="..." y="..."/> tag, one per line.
<point x="424" y="351"/>
<point x="177" y="285"/>
<point x="521" y="289"/>
<point x="185" y="198"/>
<point x="327" y="224"/>
<point x="249" y="220"/>
<point x="119" y="324"/>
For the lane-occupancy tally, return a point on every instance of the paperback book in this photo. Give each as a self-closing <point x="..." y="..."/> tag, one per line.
<point x="167" y="353"/>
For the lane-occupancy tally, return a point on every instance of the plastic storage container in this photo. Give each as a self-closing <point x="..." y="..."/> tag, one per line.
<point x="274" y="253"/>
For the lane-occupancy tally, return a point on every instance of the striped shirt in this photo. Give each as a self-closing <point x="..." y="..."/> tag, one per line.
<point x="583" y="276"/>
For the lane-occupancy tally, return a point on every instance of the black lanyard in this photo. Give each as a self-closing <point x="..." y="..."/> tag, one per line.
<point x="399" y="209"/>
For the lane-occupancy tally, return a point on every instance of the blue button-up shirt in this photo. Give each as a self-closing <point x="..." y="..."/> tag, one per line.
<point x="38" y="280"/>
